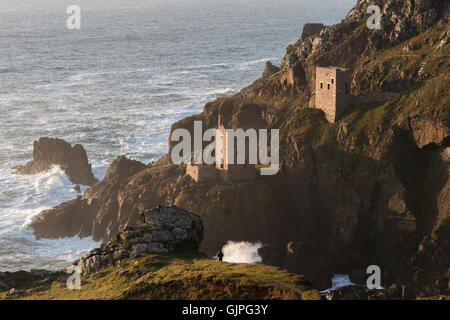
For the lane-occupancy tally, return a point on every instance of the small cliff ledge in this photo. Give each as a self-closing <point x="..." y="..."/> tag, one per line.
<point x="53" y="151"/>
<point x="164" y="230"/>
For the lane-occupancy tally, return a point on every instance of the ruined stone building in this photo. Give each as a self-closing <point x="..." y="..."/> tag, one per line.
<point x="202" y="173"/>
<point x="223" y="169"/>
<point x="232" y="171"/>
<point x="332" y="91"/>
<point x="333" y="85"/>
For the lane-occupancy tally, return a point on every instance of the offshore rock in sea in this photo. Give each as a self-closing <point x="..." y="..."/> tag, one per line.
<point x="77" y="217"/>
<point x="53" y="151"/>
<point x="163" y="230"/>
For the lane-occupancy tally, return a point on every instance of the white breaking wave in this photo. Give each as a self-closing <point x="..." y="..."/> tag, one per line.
<point x="242" y="252"/>
<point x="246" y="65"/>
<point x="207" y="66"/>
<point x="22" y="198"/>
<point x="220" y="92"/>
<point x="339" y="281"/>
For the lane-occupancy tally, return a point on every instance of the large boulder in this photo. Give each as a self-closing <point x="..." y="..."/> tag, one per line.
<point x="163" y="230"/>
<point x="53" y="151"/>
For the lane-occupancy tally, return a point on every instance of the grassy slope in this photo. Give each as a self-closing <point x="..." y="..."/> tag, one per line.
<point x="388" y="65"/>
<point x="192" y="276"/>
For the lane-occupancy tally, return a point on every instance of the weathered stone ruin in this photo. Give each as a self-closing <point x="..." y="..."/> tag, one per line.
<point x="332" y="91"/>
<point x="223" y="170"/>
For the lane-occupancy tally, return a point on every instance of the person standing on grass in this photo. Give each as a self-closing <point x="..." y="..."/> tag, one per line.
<point x="220" y="255"/>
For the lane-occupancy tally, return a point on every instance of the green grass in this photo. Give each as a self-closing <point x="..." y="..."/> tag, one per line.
<point x="313" y="128"/>
<point x="387" y="65"/>
<point x="433" y="95"/>
<point x="187" y="276"/>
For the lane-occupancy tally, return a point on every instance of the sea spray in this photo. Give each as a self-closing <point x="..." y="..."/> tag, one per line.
<point x="22" y="198"/>
<point x="339" y="281"/>
<point x="242" y="252"/>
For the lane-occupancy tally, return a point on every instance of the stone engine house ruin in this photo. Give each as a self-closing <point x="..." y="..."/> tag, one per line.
<point x="333" y="91"/>
<point x="223" y="170"/>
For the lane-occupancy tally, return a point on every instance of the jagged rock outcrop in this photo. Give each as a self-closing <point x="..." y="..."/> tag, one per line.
<point x="311" y="29"/>
<point x="401" y="19"/>
<point x="346" y="43"/>
<point x="163" y="230"/>
<point x="343" y="44"/>
<point x="53" y="151"/>
<point x="84" y="215"/>
<point x="269" y="70"/>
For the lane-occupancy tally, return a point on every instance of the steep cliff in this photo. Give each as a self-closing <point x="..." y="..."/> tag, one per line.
<point x="371" y="188"/>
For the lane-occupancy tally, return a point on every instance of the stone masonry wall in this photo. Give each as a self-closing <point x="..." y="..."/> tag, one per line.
<point x="332" y="93"/>
<point x="326" y="92"/>
<point x="201" y="173"/>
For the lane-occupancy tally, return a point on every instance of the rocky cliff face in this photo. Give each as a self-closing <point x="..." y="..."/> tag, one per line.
<point x="371" y="188"/>
<point x="52" y="151"/>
